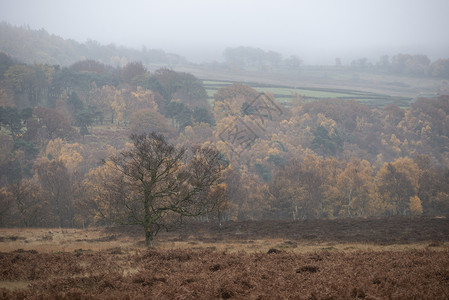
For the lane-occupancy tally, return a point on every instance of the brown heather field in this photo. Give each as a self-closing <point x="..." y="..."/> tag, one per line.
<point x="398" y="258"/>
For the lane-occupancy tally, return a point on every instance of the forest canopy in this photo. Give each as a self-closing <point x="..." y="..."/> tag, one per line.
<point x="328" y="158"/>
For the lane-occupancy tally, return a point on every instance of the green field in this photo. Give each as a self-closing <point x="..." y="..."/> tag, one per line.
<point x="284" y="94"/>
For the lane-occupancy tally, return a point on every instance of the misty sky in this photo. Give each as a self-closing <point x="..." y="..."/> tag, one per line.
<point x="317" y="31"/>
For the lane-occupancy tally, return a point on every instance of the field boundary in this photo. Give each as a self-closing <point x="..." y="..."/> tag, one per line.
<point x="286" y="93"/>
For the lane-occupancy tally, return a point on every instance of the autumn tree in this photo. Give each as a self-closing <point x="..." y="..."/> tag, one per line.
<point x="26" y="203"/>
<point x="103" y="193"/>
<point x="141" y="98"/>
<point x="301" y="188"/>
<point x="433" y="187"/>
<point x="254" y="200"/>
<point x="218" y="193"/>
<point x="69" y="154"/>
<point x="55" y="181"/>
<point x="26" y="80"/>
<point x="397" y="184"/>
<point x="203" y="115"/>
<point x="107" y="99"/>
<point x="179" y="113"/>
<point x="52" y="124"/>
<point x="356" y="188"/>
<point x="236" y="90"/>
<point x="232" y="100"/>
<point x="17" y="160"/>
<point x="132" y="70"/>
<point x="325" y="143"/>
<point x="197" y="134"/>
<point x="5" y="206"/>
<point x="149" y="120"/>
<point x="163" y="182"/>
<point x="183" y="86"/>
<point x="89" y="65"/>
<point x="11" y="119"/>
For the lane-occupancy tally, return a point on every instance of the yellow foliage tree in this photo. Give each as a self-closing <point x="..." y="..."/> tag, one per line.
<point x="256" y="200"/>
<point x="415" y="205"/>
<point x="397" y="183"/>
<point x="141" y="98"/>
<point x="103" y="192"/>
<point x="196" y="134"/>
<point x="303" y="189"/>
<point x="119" y="106"/>
<point x="228" y="107"/>
<point x="356" y="188"/>
<point x="221" y="209"/>
<point x="69" y="154"/>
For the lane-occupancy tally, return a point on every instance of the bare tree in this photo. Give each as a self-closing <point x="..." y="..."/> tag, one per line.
<point x="163" y="182"/>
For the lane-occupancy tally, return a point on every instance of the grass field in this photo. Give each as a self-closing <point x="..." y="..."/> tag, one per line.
<point x="285" y="94"/>
<point x="375" y="89"/>
<point x="315" y="259"/>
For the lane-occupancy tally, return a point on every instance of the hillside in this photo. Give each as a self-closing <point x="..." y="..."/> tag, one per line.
<point x="30" y="46"/>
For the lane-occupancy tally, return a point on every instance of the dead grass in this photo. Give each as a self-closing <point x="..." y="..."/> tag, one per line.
<point x="96" y="239"/>
<point x="385" y="234"/>
<point x="262" y="246"/>
<point x="14" y="285"/>
<point x="62" y="240"/>
<point x="213" y="274"/>
<point x="385" y="258"/>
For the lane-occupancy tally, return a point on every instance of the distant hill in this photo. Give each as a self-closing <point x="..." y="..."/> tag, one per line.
<point x="29" y="46"/>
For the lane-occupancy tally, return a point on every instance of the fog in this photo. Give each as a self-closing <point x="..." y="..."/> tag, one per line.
<point x="316" y="31"/>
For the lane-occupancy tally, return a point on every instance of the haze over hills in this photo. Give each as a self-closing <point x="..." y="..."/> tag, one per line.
<point x="29" y="46"/>
<point x="315" y="31"/>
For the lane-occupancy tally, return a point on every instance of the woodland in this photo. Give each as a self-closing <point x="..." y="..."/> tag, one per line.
<point x="328" y="158"/>
<point x="323" y="159"/>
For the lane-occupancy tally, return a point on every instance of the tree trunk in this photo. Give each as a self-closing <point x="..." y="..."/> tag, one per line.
<point x="148" y="223"/>
<point x="149" y="237"/>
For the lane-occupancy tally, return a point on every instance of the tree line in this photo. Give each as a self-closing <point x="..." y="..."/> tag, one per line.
<point x="400" y="64"/>
<point x="245" y="57"/>
<point x="405" y="64"/>
<point x="63" y="130"/>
